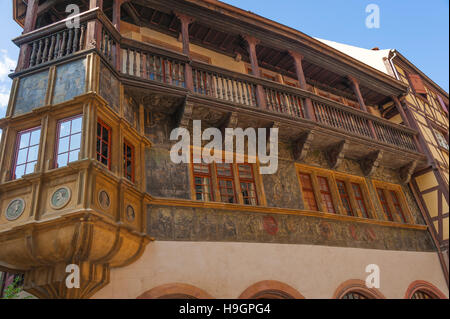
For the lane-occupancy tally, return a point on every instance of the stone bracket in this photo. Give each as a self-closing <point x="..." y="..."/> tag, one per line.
<point x="184" y="115"/>
<point x="370" y="162"/>
<point x="335" y="154"/>
<point x="302" y="146"/>
<point x="407" y="171"/>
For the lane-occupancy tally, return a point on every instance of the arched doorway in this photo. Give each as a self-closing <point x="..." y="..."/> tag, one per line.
<point x="356" y="289"/>
<point x="420" y="289"/>
<point x="175" y="291"/>
<point x="270" y="289"/>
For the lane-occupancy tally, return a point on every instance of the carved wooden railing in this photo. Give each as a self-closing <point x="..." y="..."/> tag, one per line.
<point x="148" y="62"/>
<point x="223" y="86"/>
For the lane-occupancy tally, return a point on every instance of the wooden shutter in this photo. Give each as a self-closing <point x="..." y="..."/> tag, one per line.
<point x="441" y="101"/>
<point x="417" y="84"/>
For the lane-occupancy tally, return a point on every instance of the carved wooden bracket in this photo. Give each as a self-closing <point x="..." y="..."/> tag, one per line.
<point x="370" y="162"/>
<point x="302" y="145"/>
<point x="185" y="114"/>
<point x="407" y="171"/>
<point x="335" y="154"/>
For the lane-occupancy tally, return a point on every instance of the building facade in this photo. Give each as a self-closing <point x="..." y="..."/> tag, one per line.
<point x="87" y="177"/>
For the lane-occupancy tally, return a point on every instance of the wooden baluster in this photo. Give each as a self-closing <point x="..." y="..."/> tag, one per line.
<point x="134" y="63"/>
<point x="82" y="37"/>
<point x="141" y="64"/>
<point x="195" y="79"/>
<point x="33" y="54"/>
<point x="228" y="96"/>
<point x="39" y="53"/>
<point x="182" y="76"/>
<point x="217" y="81"/>
<point x="174" y="74"/>
<point x="153" y="68"/>
<point x="45" y="53"/>
<point x="62" y="50"/>
<point x="127" y="65"/>
<point x="69" y="41"/>
<point x="75" y="40"/>
<point x="52" y="48"/>
<point x="57" y="46"/>
<point x="244" y="97"/>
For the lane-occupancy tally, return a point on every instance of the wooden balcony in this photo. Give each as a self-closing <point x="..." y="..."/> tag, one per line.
<point x="145" y="63"/>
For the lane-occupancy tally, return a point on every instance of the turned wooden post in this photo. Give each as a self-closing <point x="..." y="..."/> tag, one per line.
<point x="116" y="22"/>
<point x="309" y="109"/>
<point x="355" y="85"/>
<point x="29" y="25"/>
<point x="185" y="22"/>
<point x="260" y="95"/>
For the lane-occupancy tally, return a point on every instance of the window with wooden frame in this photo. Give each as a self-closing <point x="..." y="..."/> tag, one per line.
<point x="325" y="194"/>
<point x="441" y="139"/>
<point x="225" y="180"/>
<point x="334" y="192"/>
<point x="393" y="202"/>
<point x="103" y="144"/>
<point x="345" y="198"/>
<point x="248" y="185"/>
<point x="203" y="182"/>
<point x="128" y="161"/>
<point x="27" y="152"/>
<point x="68" y="143"/>
<point x="359" y="197"/>
<point x="309" y="197"/>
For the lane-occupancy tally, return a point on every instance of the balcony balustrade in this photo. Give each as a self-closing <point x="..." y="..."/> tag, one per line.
<point x="144" y="61"/>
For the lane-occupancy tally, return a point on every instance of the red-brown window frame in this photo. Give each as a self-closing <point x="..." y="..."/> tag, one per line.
<point x="384" y="203"/>
<point x="308" y="190"/>
<point x="17" y="148"/>
<point x="326" y="192"/>
<point x="132" y="160"/>
<point x="108" y="128"/>
<point x="361" y="200"/>
<point x="397" y="205"/>
<point x="246" y="180"/>
<point x="226" y="178"/>
<point x="58" y="125"/>
<point x="209" y="175"/>
<point x="346" y="196"/>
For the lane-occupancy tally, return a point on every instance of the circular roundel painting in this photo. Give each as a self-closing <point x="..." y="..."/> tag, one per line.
<point x="104" y="200"/>
<point x="60" y="198"/>
<point x="15" y="209"/>
<point x="130" y="213"/>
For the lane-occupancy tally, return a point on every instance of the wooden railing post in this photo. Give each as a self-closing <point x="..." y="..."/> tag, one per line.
<point x="116" y="22"/>
<point x="309" y="109"/>
<point x="260" y="95"/>
<point x="355" y="85"/>
<point x="94" y="27"/>
<point x="185" y="22"/>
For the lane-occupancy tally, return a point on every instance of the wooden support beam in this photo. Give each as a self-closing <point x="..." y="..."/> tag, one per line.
<point x="298" y="58"/>
<point x="252" y="43"/>
<point x="356" y="89"/>
<point x="302" y="145"/>
<point x="185" y="22"/>
<point x="400" y="110"/>
<point x="132" y="12"/>
<point x="335" y="154"/>
<point x="116" y="13"/>
<point x="369" y="163"/>
<point x="407" y="171"/>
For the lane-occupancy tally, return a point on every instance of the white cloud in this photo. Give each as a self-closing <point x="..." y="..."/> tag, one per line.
<point x="6" y="65"/>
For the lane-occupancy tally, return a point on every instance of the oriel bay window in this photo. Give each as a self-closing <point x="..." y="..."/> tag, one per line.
<point x="104" y="144"/>
<point x="335" y="193"/>
<point x="226" y="183"/>
<point x="27" y="151"/>
<point x="68" y="141"/>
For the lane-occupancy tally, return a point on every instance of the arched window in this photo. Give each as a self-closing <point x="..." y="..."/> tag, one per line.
<point x="355" y="295"/>
<point x="421" y="294"/>
<point x="420" y="289"/>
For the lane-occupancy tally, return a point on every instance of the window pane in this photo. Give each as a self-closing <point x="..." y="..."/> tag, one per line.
<point x="30" y="168"/>
<point x="20" y="171"/>
<point x="33" y="153"/>
<point x="22" y="156"/>
<point x="63" y="145"/>
<point x="24" y="140"/>
<point x="62" y="160"/>
<point x="35" y="137"/>
<point x="76" y="125"/>
<point x="75" y="142"/>
<point x="73" y="156"/>
<point x="64" y="129"/>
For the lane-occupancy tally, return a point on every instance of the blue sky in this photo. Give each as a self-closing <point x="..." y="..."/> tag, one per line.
<point x="417" y="28"/>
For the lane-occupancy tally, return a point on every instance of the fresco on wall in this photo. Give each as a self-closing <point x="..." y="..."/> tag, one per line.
<point x="205" y="224"/>
<point x="130" y="110"/>
<point x="70" y="81"/>
<point x="109" y="88"/>
<point x="31" y="92"/>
